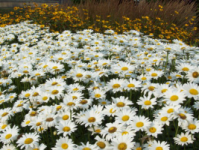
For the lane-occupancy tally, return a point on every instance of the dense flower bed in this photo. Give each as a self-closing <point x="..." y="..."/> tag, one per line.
<point x="93" y="91"/>
<point x="59" y="18"/>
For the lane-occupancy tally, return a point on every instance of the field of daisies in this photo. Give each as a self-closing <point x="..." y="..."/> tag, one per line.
<point x="96" y="91"/>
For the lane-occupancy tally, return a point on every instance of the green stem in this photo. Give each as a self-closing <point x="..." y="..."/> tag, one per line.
<point x="188" y="102"/>
<point x="131" y="93"/>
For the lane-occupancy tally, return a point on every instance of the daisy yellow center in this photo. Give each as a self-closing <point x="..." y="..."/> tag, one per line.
<point x="11" y="96"/>
<point x="154" y="74"/>
<point x="4" y="114"/>
<point x="64" y="146"/>
<point x="45" y="66"/>
<point x="139" y="124"/>
<point x="185" y="69"/>
<point x="54" y="92"/>
<point x="88" y="76"/>
<point x="55" y="67"/>
<point x="115" y="86"/>
<point x="97" y="95"/>
<point x="120" y="104"/>
<point x="63" y="77"/>
<point x="58" y="107"/>
<point x="49" y="119"/>
<point x="74" y="97"/>
<point x="54" y="83"/>
<point x="170" y="110"/>
<point x="75" y="89"/>
<point x="8" y="136"/>
<point x="164" y="119"/>
<point x="192" y="126"/>
<point x="193" y="92"/>
<point x="83" y="101"/>
<point x="102" y="145"/>
<point x="25" y="71"/>
<point x="124" y="68"/>
<point x="152" y="129"/>
<point x="182" y="116"/>
<point x="124" y="133"/>
<point x="159" y="148"/>
<point x="183" y="139"/>
<point x="163" y="90"/>
<point x="147" y="102"/>
<point x="112" y="111"/>
<point x="86" y="148"/>
<point x="27" y="122"/>
<point x="35" y="94"/>
<point x="79" y="75"/>
<point x="33" y="113"/>
<point x="125" y="118"/>
<point x="66" y="129"/>
<point x="169" y="77"/>
<point x="103" y="103"/>
<point x="122" y="146"/>
<point x="150" y="48"/>
<point x="151" y="88"/>
<point x="37" y="74"/>
<point x="143" y="78"/>
<point x="148" y="69"/>
<point x="19" y="105"/>
<point x="27" y="95"/>
<point x="104" y="64"/>
<point x="35" y="149"/>
<point x="98" y="130"/>
<point x="130" y="85"/>
<point x="38" y="123"/>
<point x="178" y="75"/>
<point x="138" y="148"/>
<point x="44" y="98"/>
<point x="91" y="119"/>
<point x="101" y="73"/>
<point x="28" y="141"/>
<point x="174" y="98"/>
<point x="40" y="129"/>
<point x="65" y="117"/>
<point x="195" y="74"/>
<point x="3" y="126"/>
<point x="70" y="104"/>
<point x="112" y="129"/>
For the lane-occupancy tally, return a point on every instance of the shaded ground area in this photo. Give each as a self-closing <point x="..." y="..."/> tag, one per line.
<point x="5" y="10"/>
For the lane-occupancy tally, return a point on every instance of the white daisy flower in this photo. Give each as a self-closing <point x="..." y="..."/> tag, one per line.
<point x="174" y="97"/>
<point x="192" y="126"/>
<point x="122" y="142"/>
<point x="159" y="145"/>
<point x="121" y="102"/>
<point x="184" y="139"/>
<point x="111" y="130"/>
<point x="28" y="140"/>
<point x="66" y="127"/>
<point x="64" y="143"/>
<point x="125" y="116"/>
<point x="154" y="129"/>
<point x="147" y="102"/>
<point x="140" y="123"/>
<point x="102" y="144"/>
<point x="87" y="146"/>
<point x="191" y="90"/>
<point x="9" y="134"/>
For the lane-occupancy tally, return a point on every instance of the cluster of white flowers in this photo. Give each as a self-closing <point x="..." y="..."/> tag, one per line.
<point x="104" y="82"/>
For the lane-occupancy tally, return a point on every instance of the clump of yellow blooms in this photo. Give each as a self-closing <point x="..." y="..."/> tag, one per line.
<point x="70" y="18"/>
